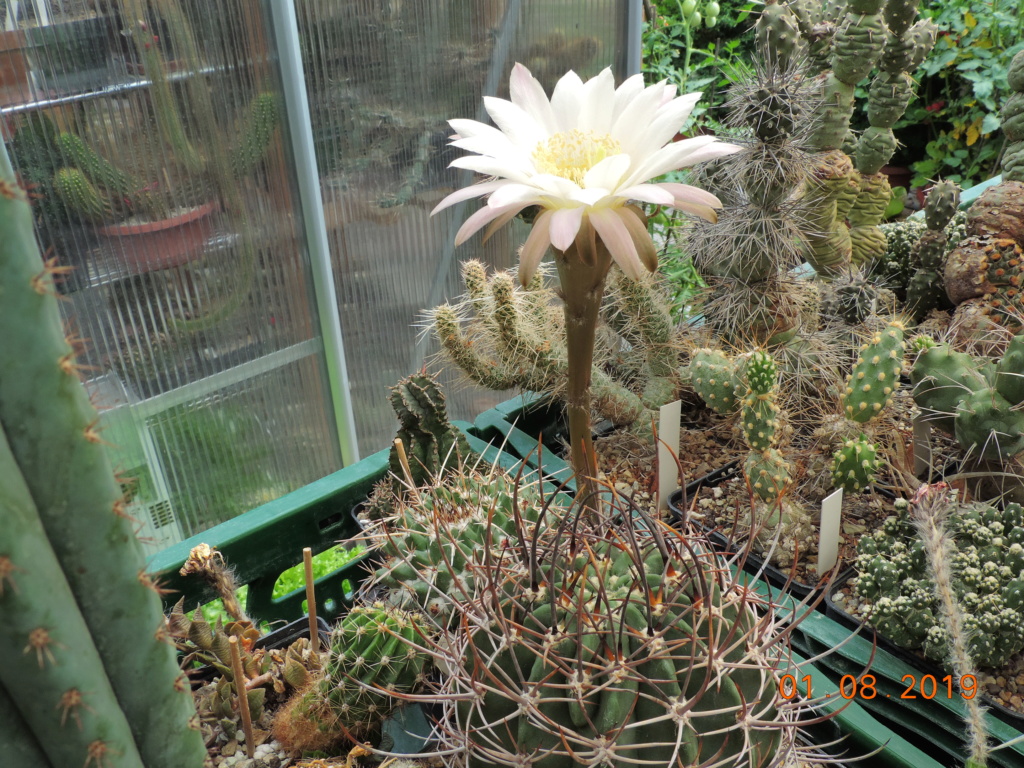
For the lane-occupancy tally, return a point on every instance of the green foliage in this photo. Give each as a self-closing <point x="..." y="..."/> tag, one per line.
<point x="988" y="579"/>
<point x="962" y="87"/>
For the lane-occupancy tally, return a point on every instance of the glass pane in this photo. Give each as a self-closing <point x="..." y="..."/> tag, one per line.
<point x="150" y="135"/>
<point x="384" y="76"/>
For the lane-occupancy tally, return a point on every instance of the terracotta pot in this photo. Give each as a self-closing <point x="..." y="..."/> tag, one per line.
<point x="899" y="175"/>
<point x="163" y="244"/>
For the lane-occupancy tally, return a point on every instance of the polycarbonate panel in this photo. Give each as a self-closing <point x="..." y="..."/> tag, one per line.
<point x="151" y="138"/>
<point x="383" y="78"/>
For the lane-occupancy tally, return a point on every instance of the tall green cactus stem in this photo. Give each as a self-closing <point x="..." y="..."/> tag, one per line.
<point x="778" y="36"/>
<point x="53" y="435"/>
<point x="433" y="446"/>
<point x="376" y="652"/>
<point x="81" y="196"/>
<point x="760" y="414"/>
<point x="21" y="746"/>
<point x="926" y="290"/>
<point x="829" y="246"/>
<point x="258" y="128"/>
<point x="1012" y="115"/>
<point x="867" y="241"/>
<point x="875" y="375"/>
<point x="96" y="168"/>
<point x="53" y="671"/>
<point x="855" y="464"/>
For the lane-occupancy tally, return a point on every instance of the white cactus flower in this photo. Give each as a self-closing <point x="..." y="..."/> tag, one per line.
<point x="584" y="154"/>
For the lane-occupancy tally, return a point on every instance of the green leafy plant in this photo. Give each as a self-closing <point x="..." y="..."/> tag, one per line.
<point x="962" y="86"/>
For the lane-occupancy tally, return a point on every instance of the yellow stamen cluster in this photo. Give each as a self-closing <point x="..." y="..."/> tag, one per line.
<point x="570" y="154"/>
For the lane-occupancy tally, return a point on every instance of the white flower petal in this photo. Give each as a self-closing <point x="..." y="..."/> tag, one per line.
<point x="491" y="146"/>
<point x="641" y="238"/>
<point x="706" y="212"/>
<point x="666" y="123"/>
<point x="506" y="167"/>
<point x="566" y="100"/>
<point x="608" y="173"/>
<point x="535" y="247"/>
<point x="555" y="186"/>
<point x="467" y="129"/>
<point x="590" y="197"/>
<point x="670" y="93"/>
<point x="468" y="193"/>
<point x="509" y="194"/>
<point x="482" y="217"/>
<point x="625" y="93"/>
<point x="679" y="155"/>
<point x="598" y="93"/>
<point x="527" y="92"/>
<point x="500" y="222"/>
<point x="642" y="109"/>
<point x="647" y="193"/>
<point x="616" y="237"/>
<point x="565" y="225"/>
<point x="687" y="194"/>
<point x="515" y="122"/>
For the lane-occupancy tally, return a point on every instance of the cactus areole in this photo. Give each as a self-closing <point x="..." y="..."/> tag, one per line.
<point x="582" y="157"/>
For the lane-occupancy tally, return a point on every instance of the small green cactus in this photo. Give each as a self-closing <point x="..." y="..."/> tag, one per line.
<point x="875" y="375"/>
<point x="768" y="474"/>
<point x="376" y="652"/>
<point x="717" y="379"/>
<point x="81" y="196"/>
<point x="258" y="129"/>
<point x="855" y="464"/>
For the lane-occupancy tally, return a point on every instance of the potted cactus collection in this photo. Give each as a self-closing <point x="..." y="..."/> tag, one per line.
<point x="515" y="602"/>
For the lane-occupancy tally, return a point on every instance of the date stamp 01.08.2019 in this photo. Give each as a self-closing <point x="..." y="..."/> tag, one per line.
<point x="864" y="687"/>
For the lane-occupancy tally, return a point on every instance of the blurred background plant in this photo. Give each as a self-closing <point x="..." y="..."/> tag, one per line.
<point x="951" y="130"/>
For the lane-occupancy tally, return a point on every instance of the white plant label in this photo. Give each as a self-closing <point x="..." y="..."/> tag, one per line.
<point x="668" y="444"/>
<point x="828" y="542"/>
<point x="922" y="445"/>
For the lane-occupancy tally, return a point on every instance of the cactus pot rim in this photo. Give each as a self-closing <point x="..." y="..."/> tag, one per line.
<point x="149" y="246"/>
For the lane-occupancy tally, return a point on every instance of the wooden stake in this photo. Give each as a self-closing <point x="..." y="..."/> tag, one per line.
<point x="404" y="461"/>
<point x="314" y="635"/>
<point x="243" y="698"/>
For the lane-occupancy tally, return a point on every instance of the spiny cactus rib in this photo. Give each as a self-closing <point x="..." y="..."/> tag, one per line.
<point x="875" y="375"/>
<point x="54" y="672"/>
<point x="51" y="428"/>
<point x="1013" y="122"/>
<point x="257" y="130"/>
<point x="80" y="196"/>
<point x="926" y="289"/>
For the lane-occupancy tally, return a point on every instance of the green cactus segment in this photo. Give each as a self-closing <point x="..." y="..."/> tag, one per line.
<point x="833" y="120"/>
<point x="1009" y="376"/>
<point x="888" y="98"/>
<point x="80" y="196"/>
<point x="867" y="241"/>
<point x="941" y="204"/>
<point x="717" y="379"/>
<point x="875" y="375"/>
<point x="778" y="36"/>
<point x="874" y="149"/>
<point x="828" y="239"/>
<point x="759" y="418"/>
<point x="257" y="130"/>
<point x="855" y="464"/>
<point x="768" y="474"/>
<point x="762" y="373"/>
<point x="95" y="167"/>
<point x="53" y="672"/>
<point x="432" y="445"/>
<point x="857" y="46"/>
<point x="463" y="352"/>
<point x="1013" y="122"/>
<point x="900" y="15"/>
<point x="434" y="540"/>
<point x="987" y="427"/>
<point x="51" y="427"/>
<point x="20" y="746"/>
<point x="942" y="378"/>
<point x="988" y="578"/>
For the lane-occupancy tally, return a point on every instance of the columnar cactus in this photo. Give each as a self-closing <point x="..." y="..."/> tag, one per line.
<point x="376" y="651"/>
<point x="988" y="578"/>
<point x="68" y="502"/>
<point x="505" y="336"/>
<point x="1012" y="115"/>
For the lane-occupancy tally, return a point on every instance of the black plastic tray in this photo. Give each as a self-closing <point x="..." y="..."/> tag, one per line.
<point x="908" y="657"/>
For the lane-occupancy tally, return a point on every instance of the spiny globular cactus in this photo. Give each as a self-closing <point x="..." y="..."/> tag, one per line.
<point x="434" y="538"/>
<point x="988" y="578"/>
<point x="614" y="645"/>
<point x="67" y="540"/>
<point x="855" y="464"/>
<point x="376" y="651"/>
